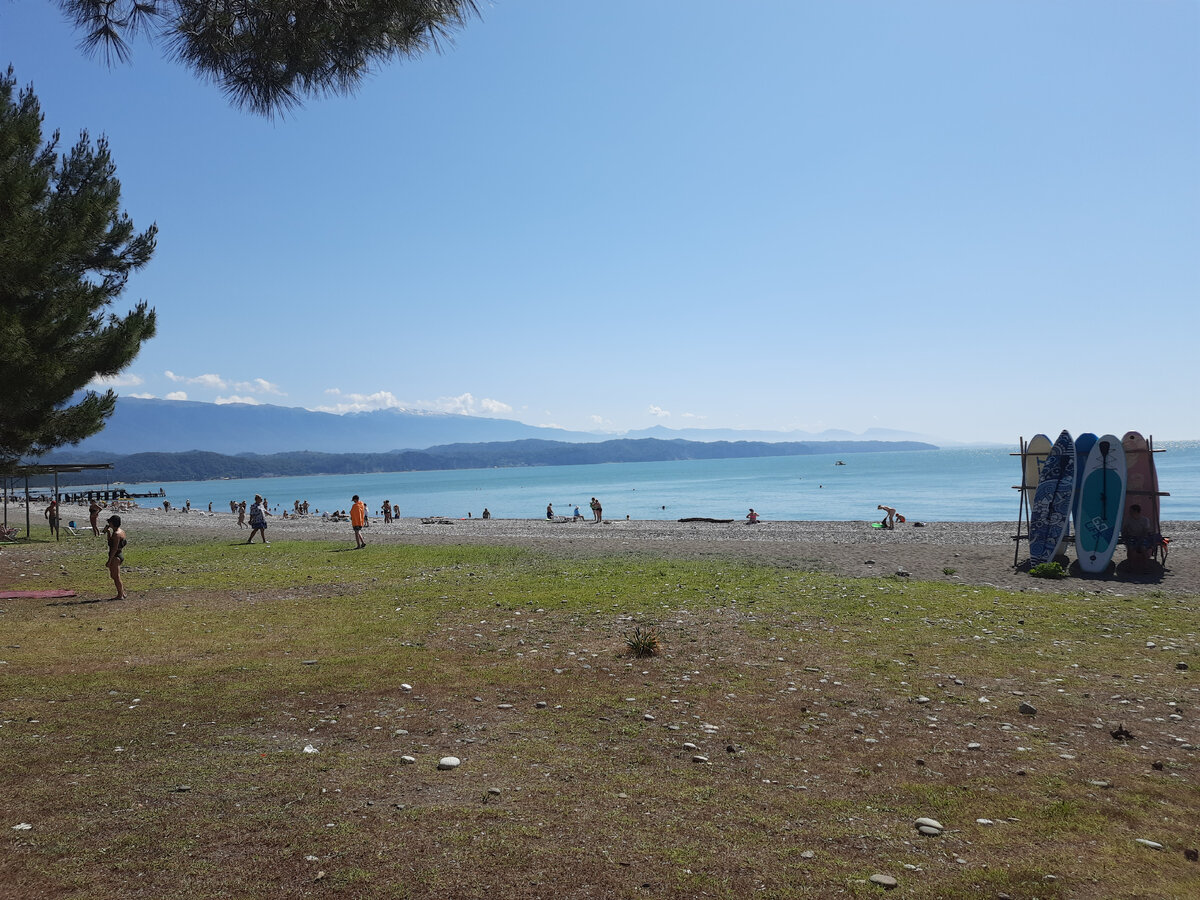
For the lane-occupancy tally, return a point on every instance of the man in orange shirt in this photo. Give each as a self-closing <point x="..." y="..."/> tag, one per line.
<point x="358" y="521"/>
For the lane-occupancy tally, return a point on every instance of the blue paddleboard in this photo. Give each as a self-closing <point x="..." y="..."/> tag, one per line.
<point x="1052" y="501"/>
<point x="1102" y="504"/>
<point x="1083" y="446"/>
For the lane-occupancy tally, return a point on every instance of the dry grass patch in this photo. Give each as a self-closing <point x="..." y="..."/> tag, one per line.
<point x="158" y="746"/>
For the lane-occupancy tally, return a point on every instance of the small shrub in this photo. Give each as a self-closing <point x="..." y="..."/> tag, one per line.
<point x="643" y="643"/>
<point x="948" y="571"/>
<point x="1048" y="570"/>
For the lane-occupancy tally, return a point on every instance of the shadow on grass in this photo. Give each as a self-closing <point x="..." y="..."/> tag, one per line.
<point x="85" y="602"/>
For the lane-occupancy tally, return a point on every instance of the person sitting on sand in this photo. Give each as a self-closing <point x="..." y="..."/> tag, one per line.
<point x="578" y="516"/>
<point x="752" y="517"/>
<point x="486" y="513"/>
<point x="1139" y="542"/>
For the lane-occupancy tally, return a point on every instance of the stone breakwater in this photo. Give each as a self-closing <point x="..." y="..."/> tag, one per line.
<point x="977" y="553"/>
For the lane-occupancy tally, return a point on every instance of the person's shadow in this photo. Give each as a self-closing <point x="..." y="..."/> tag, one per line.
<point x="1152" y="572"/>
<point x="84" y="602"/>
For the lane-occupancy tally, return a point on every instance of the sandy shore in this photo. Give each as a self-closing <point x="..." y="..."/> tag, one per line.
<point x="979" y="553"/>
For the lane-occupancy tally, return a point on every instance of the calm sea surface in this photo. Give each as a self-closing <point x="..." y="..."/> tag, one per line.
<point x="937" y="485"/>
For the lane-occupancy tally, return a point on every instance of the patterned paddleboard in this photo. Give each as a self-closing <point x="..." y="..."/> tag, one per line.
<point x="1102" y="505"/>
<point x="1036" y="452"/>
<point x="1052" y="501"/>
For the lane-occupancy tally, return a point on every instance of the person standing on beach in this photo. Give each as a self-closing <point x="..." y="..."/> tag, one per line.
<point x="358" y="521"/>
<point x="549" y="512"/>
<point x="241" y="513"/>
<point x="258" y="520"/>
<point x="94" y="515"/>
<point x="597" y="511"/>
<point x="387" y="512"/>
<point x="51" y="514"/>
<point x="116" y="553"/>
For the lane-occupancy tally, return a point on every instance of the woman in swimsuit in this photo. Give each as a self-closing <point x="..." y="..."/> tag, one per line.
<point x="116" y="547"/>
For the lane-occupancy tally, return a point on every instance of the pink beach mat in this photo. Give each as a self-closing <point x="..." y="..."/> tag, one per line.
<point x="33" y="595"/>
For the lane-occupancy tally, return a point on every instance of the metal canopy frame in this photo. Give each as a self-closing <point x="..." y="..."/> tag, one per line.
<point x="36" y="469"/>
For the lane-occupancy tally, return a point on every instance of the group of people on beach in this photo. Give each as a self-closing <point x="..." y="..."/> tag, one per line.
<point x="577" y="516"/>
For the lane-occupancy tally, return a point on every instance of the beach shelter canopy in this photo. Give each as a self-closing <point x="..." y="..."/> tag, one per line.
<point x="24" y="471"/>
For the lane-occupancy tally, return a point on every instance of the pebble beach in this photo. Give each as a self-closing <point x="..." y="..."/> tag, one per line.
<point x="976" y="553"/>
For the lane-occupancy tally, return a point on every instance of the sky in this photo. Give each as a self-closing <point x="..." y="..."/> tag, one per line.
<point x="969" y="220"/>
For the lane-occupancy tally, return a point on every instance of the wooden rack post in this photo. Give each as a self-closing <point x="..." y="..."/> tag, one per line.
<point x="1023" y="511"/>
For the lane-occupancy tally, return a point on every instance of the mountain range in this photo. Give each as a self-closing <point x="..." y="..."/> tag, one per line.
<point x="174" y="426"/>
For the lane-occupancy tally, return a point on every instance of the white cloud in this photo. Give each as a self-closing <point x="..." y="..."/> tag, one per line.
<point x="360" y="402"/>
<point x="659" y="411"/>
<point x="141" y="396"/>
<point x="494" y="406"/>
<point x="122" y="379"/>
<point x="221" y="401"/>
<point x="693" y="416"/>
<point x="176" y="395"/>
<point x="464" y="404"/>
<point x="259" y="386"/>
<point x="217" y="383"/>
<point x="468" y="405"/>
<point x="210" y="381"/>
<point x="600" y="420"/>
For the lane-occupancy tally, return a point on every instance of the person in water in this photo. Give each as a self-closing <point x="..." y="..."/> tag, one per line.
<point x="116" y="553"/>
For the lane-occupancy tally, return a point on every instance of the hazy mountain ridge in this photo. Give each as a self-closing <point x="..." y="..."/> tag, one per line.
<point x="176" y="426"/>
<point x="203" y="465"/>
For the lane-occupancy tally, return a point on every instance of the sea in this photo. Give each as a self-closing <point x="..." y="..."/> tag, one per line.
<point x="950" y="485"/>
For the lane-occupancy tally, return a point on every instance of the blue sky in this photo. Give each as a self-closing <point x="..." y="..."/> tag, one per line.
<point x="972" y="220"/>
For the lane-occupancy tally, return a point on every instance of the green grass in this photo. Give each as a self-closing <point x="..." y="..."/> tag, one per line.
<point x="157" y="745"/>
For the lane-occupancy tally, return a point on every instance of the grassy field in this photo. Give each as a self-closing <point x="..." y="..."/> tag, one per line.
<point x="157" y="746"/>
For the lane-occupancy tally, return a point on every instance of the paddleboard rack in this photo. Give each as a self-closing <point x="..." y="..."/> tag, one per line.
<point x="1023" y="510"/>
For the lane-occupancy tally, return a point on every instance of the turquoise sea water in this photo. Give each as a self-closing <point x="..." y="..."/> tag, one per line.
<point x="972" y="485"/>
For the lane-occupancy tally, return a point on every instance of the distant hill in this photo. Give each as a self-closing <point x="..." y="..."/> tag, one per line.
<point x="174" y="426"/>
<point x="204" y="465"/>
